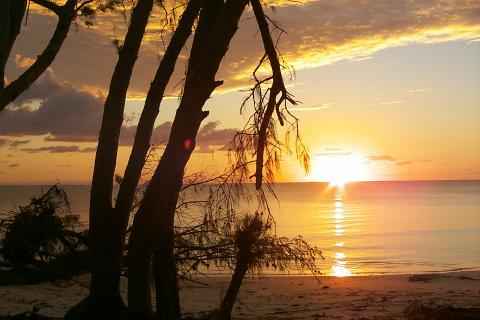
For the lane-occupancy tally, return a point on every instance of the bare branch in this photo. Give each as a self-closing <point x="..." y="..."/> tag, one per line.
<point x="49" y="5"/>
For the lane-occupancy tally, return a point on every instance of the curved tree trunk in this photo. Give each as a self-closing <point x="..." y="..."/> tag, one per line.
<point x="153" y="229"/>
<point x="11" y="15"/>
<point x="150" y="112"/>
<point x="225" y="312"/>
<point x="105" y="234"/>
<point x="66" y="14"/>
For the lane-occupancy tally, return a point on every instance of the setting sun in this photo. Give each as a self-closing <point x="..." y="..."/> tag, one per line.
<point x="339" y="168"/>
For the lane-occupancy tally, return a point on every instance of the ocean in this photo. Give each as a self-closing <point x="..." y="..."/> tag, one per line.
<point x="362" y="228"/>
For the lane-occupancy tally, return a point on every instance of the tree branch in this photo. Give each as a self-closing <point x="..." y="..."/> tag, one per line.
<point x="49" y="5"/>
<point x="44" y="60"/>
<point x="277" y="87"/>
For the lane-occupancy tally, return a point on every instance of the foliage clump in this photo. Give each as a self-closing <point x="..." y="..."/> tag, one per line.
<point x="41" y="235"/>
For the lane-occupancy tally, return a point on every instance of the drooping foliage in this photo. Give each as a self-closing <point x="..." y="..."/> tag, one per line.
<point x="43" y="235"/>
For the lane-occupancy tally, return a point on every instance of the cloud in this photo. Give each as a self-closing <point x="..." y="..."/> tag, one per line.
<point x="322" y="106"/>
<point x="3" y="142"/>
<point x="338" y="153"/>
<point x="333" y="149"/>
<point x="64" y="112"/>
<point x="210" y="135"/>
<point x="58" y="149"/>
<point x="389" y="158"/>
<point x="23" y="62"/>
<point x="319" y="33"/>
<point x="393" y="102"/>
<point x="88" y="150"/>
<point x="15" y="143"/>
<point x="67" y="114"/>
<point x="404" y="163"/>
<point x="419" y="90"/>
<point x="381" y="158"/>
<point x="13" y="165"/>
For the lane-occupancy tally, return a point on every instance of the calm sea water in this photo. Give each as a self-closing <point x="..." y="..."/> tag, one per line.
<point x="363" y="228"/>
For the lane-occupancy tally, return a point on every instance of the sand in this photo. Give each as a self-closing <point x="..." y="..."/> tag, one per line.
<point x="282" y="297"/>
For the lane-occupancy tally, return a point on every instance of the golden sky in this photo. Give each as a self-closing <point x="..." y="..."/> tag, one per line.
<point x="389" y="91"/>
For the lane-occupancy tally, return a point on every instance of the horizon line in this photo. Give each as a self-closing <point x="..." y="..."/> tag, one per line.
<point x="278" y="182"/>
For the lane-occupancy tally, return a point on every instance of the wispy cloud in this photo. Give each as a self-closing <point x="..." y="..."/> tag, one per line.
<point x="420" y="90"/>
<point x="404" y="163"/>
<point x="394" y="160"/>
<point x="15" y="143"/>
<point x="323" y="106"/>
<point x="392" y="102"/>
<point x="58" y="149"/>
<point x="382" y="158"/>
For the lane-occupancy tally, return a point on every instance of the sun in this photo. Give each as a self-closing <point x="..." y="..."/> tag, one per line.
<point x="339" y="169"/>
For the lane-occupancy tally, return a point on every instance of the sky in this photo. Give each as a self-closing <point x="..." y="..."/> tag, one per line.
<point x="389" y="90"/>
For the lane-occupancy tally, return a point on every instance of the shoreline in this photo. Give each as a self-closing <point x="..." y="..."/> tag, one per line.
<point x="280" y="297"/>
<point x="358" y="275"/>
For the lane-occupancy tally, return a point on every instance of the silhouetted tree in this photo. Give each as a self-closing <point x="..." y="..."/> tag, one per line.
<point x="153" y="232"/>
<point x="11" y="17"/>
<point x="40" y="241"/>
<point x="256" y="248"/>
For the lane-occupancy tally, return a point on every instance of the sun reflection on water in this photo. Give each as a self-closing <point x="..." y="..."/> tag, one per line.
<point x="339" y="268"/>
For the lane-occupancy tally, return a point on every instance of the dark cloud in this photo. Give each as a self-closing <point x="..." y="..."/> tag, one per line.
<point x="66" y="114"/>
<point x="13" y="165"/>
<point x="3" y="142"/>
<point x="209" y="135"/>
<point x="382" y="158"/>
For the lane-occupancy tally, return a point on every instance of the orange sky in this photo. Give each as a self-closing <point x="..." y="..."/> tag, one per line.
<point x="389" y="91"/>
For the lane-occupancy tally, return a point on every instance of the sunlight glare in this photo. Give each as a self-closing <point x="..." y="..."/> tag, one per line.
<point x="341" y="271"/>
<point x="339" y="169"/>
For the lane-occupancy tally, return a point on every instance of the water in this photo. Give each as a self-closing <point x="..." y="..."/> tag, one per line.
<point x="363" y="228"/>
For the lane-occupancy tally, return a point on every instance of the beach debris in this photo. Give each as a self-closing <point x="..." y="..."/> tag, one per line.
<point x="418" y="311"/>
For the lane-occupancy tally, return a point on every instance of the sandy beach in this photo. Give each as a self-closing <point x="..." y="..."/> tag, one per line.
<point x="282" y="297"/>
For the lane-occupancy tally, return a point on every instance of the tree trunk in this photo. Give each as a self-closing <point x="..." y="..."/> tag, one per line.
<point x="106" y="234"/>
<point x="155" y="234"/>
<point x="11" y="15"/>
<point x="150" y="112"/>
<point x="153" y="231"/>
<point x="66" y="14"/>
<point x="225" y="312"/>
